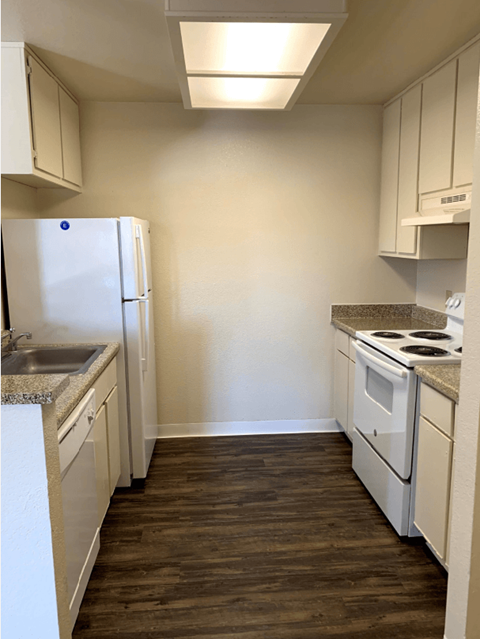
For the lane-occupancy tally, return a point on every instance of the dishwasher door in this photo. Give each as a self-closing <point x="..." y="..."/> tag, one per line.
<point x="79" y="498"/>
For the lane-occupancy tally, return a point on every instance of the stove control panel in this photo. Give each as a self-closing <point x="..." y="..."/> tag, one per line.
<point x="455" y="305"/>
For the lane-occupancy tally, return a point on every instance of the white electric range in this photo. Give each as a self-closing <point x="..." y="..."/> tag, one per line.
<point x="385" y="407"/>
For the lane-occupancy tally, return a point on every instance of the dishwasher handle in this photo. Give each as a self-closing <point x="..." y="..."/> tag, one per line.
<point x="380" y="363"/>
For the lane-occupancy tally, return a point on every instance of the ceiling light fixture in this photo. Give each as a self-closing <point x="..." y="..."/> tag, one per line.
<point x="249" y="54"/>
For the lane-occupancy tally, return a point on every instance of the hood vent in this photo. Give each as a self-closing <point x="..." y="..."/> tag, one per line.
<point x="462" y="197"/>
<point x="436" y="211"/>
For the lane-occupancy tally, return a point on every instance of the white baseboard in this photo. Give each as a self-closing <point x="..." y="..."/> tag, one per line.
<point x="223" y="429"/>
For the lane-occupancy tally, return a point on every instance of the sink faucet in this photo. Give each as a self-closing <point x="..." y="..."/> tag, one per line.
<point x="12" y="344"/>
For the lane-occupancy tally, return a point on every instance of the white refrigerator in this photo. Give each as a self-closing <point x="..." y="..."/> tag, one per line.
<point x="89" y="280"/>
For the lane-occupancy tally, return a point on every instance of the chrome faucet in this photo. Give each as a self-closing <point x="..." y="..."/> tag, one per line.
<point x="12" y="344"/>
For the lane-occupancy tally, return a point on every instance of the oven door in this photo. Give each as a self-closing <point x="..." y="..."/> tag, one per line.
<point x="384" y="407"/>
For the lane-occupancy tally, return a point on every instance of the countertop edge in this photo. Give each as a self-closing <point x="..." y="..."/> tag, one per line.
<point x="40" y="392"/>
<point x="443" y="378"/>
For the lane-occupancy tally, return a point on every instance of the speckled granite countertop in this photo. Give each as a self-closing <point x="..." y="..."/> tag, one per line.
<point x="444" y="378"/>
<point x="385" y="317"/>
<point x="65" y="390"/>
<point x="33" y="389"/>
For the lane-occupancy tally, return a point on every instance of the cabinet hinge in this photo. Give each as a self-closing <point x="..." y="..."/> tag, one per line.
<point x="29" y="69"/>
<point x="35" y="154"/>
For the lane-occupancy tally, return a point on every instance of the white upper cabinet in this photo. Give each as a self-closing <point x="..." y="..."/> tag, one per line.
<point x="70" y="127"/>
<point x="467" y="91"/>
<point x="438" y="123"/>
<point x="428" y="141"/>
<point x="40" y="123"/>
<point x="47" y="136"/>
<point x="408" y="169"/>
<point x="389" y="182"/>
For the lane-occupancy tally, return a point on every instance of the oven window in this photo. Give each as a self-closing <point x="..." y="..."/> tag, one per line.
<point x="379" y="389"/>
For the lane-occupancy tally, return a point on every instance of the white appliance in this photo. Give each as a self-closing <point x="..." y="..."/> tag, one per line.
<point x="385" y="403"/>
<point x="442" y="209"/>
<point x="79" y="499"/>
<point x="89" y="280"/>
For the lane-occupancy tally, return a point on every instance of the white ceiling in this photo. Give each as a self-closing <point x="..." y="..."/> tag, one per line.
<point x="119" y="50"/>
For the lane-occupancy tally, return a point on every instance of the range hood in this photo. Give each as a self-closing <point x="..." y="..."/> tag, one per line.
<point x="435" y="211"/>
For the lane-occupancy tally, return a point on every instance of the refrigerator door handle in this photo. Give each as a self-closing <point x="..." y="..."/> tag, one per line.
<point x="146" y="334"/>
<point x="139" y="236"/>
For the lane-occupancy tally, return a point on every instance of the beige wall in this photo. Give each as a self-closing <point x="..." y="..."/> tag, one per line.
<point x="259" y="222"/>
<point x="463" y="597"/>
<point x="18" y="201"/>
<point x="435" y="277"/>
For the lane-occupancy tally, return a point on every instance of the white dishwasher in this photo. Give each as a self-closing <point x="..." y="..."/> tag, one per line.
<point x="79" y="498"/>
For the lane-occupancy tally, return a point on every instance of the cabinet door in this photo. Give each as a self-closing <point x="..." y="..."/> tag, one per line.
<point x="389" y="179"/>
<point x="45" y="120"/>
<point x="101" y="463"/>
<point x="465" y="119"/>
<point x="432" y="493"/>
<point x="341" y="389"/>
<point x="70" y="127"/>
<point x="113" y="436"/>
<point x="436" y="145"/>
<point x="408" y="169"/>
<point x="449" y="525"/>
<point x="351" y="395"/>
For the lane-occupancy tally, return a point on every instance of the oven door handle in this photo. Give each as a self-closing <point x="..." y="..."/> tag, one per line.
<point x="379" y="362"/>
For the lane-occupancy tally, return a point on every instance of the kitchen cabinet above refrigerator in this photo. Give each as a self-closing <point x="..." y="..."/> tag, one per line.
<point x="428" y="141"/>
<point x="40" y="123"/>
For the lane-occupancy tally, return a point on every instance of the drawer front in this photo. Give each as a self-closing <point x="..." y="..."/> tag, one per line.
<point x="105" y="383"/>
<point x="438" y="409"/>
<point x="342" y="342"/>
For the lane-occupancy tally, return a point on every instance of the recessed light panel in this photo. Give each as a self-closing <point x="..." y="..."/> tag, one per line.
<point x="240" y="93"/>
<point x="250" y="47"/>
<point x="246" y="54"/>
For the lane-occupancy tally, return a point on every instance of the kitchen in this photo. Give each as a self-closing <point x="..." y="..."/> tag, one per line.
<point x="244" y="283"/>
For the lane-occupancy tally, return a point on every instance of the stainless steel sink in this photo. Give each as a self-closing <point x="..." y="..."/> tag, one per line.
<point x="51" y="360"/>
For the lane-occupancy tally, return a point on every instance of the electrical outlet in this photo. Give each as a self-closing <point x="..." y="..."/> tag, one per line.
<point x="448" y="294"/>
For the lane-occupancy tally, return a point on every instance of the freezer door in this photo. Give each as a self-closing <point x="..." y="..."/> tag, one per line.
<point x="142" y="390"/>
<point x="136" y="264"/>
<point x="64" y="279"/>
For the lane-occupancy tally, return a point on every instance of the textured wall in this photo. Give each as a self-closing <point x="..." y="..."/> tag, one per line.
<point x="435" y="277"/>
<point x="259" y="222"/>
<point x="18" y="201"/>
<point x="463" y="610"/>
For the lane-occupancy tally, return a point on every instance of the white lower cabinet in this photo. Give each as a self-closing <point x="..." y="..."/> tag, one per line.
<point x="433" y="485"/>
<point x="344" y="382"/>
<point x="351" y="395"/>
<point x="113" y="439"/>
<point x="341" y="389"/>
<point x="106" y="437"/>
<point x="101" y="463"/>
<point x="435" y="454"/>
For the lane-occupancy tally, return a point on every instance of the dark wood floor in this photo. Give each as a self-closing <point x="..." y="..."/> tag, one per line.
<point x="266" y="537"/>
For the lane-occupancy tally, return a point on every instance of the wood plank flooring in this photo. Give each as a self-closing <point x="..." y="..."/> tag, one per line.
<point x="265" y="537"/>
